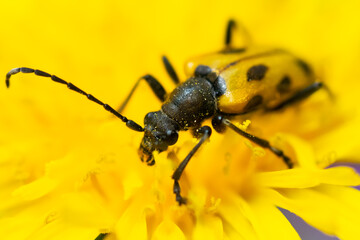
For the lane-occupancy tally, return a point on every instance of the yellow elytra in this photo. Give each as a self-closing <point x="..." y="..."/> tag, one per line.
<point x="278" y="76"/>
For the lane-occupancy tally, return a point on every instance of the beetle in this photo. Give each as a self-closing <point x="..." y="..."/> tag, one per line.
<point x="220" y="85"/>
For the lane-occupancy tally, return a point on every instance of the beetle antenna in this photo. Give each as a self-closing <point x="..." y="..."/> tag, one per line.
<point x="129" y="123"/>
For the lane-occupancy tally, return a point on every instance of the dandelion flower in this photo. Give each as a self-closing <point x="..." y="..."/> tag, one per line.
<point x="71" y="171"/>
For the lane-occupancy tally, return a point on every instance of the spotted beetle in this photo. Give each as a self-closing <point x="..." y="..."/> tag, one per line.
<point x="227" y="83"/>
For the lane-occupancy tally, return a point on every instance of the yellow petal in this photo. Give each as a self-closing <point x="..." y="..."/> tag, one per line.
<point x="132" y="223"/>
<point x="168" y="230"/>
<point x="304" y="152"/>
<point x="319" y="210"/>
<point x="36" y="189"/>
<point x="235" y="219"/>
<point x="208" y="227"/>
<point x="345" y="176"/>
<point x="63" y="231"/>
<point x="266" y="220"/>
<point x="269" y="222"/>
<point x="10" y="227"/>
<point x="28" y="218"/>
<point x="80" y="204"/>
<point x="347" y="196"/>
<point x="341" y="142"/>
<point x="304" y="178"/>
<point x="291" y="178"/>
<point x="131" y="183"/>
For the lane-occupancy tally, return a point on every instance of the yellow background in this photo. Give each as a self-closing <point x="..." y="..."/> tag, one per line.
<point x="104" y="46"/>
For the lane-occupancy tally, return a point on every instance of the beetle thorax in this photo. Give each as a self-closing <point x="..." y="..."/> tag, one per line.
<point x="186" y="107"/>
<point x="191" y="103"/>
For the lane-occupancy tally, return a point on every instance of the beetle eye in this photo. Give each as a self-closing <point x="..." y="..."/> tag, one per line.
<point x="172" y="137"/>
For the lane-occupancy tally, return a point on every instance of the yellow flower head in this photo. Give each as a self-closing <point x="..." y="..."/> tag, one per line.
<point x="70" y="170"/>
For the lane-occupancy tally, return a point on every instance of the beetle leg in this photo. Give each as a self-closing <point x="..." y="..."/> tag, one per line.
<point x="155" y="86"/>
<point x="228" y="33"/>
<point x="246" y="39"/>
<point x="220" y="123"/>
<point x="129" y="123"/>
<point x="203" y="133"/>
<point x="101" y="236"/>
<point x="170" y="70"/>
<point x="300" y="95"/>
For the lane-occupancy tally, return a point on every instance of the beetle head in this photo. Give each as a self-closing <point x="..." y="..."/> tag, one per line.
<point x="160" y="132"/>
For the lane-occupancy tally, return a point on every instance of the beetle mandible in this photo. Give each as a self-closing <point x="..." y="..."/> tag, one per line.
<point x="227" y="83"/>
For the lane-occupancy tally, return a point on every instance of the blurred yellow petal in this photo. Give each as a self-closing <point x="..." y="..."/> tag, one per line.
<point x="35" y="189"/>
<point x="168" y="230"/>
<point x="208" y="227"/>
<point x="59" y="231"/>
<point x="346" y="196"/>
<point x="132" y="223"/>
<point x="305" y="178"/>
<point x="319" y="210"/>
<point x="341" y="142"/>
<point x="131" y="183"/>
<point x="293" y="178"/>
<point x="28" y="217"/>
<point x="70" y="170"/>
<point x="304" y="152"/>
<point x="265" y="219"/>
<point x="77" y="205"/>
<point x="345" y="176"/>
<point x="269" y="222"/>
<point x="236" y="221"/>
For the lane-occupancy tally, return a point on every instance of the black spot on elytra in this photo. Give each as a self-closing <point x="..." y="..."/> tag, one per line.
<point x="304" y="66"/>
<point x="284" y="85"/>
<point x="253" y="103"/>
<point x="256" y="72"/>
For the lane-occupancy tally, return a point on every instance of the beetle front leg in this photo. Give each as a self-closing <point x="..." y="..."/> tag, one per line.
<point x="203" y="133"/>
